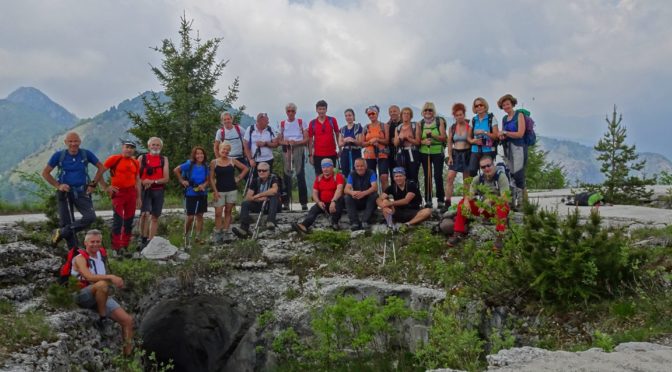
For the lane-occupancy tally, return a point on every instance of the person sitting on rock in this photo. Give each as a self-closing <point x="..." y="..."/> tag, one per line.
<point x="96" y="287"/>
<point x="401" y="201"/>
<point x="262" y="190"/>
<point x="495" y="182"/>
<point x="361" y="194"/>
<point x="327" y="194"/>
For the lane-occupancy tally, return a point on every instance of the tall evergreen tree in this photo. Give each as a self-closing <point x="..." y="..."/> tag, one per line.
<point x="618" y="160"/>
<point x="540" y="174"/>
<point x="190" y="116"/>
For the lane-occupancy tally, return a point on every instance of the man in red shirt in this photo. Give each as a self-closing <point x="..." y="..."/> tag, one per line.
<point x="328" y="197"/>
<point x="154" y="173"/>
<point x="124" y="190"/>
<point x="322" y="137"/>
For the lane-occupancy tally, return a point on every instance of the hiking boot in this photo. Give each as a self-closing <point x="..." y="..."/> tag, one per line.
<point x="498" y="245"/>
<point x="365" y="225"/>
<point x="304" y="207"/>
<point x="455" y="239"/>
<point x="429" y="205"/>
<point x="300" y="228"/>
<point x="440" y="205"/>
<point x="356" y="228"/>
<point x="242" y="233"/>
<point x="285" y="206"/>
<point x="100" y="323"/>
<point x="335" y="226"/>
<point x="56" y="237"/>
<point x="270" y="225"/>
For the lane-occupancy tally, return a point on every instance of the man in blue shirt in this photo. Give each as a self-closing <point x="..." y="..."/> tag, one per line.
<point x="361" y="192"/>
<point x="73" y="188"/>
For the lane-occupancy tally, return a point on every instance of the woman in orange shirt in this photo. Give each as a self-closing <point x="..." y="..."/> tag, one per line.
<point x="376" y="151"/>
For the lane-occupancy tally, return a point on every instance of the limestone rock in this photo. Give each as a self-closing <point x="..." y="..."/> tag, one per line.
<point x="159" y="249"/>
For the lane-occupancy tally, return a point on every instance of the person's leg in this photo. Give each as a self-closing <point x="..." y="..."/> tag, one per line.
<point x="252" y="207"/>
<point x="218" y="217"/>
<point x="422" y="215"/>
<point x="187" y="224"/>
<point x="383" y="169"/>
<point x="120" y="316"/>
<point x="117" y="221"/>
<point x="351" y="207"/>
<point x="244" y="217"/>
<point x="414" y="166"/>
<point x="437" y="164"/>
<point x="272" y="209"/>
<point x="287" y="174"/>
<point x="474" y="158"/>
<point x="300" y="168"/>
<point x="199" y="223"/>
<point x="157" y="209"/>
<point x="450" y="185"/>
<point x="129" y="215"/>
<point x="317" y="164"/>
<point x="145" y="208"/>
<point x="228" y="213"/>
<point x="65" y="218"/>
<point x="100" y="291"/>
<point x="335" y="217"/>
<point x="502" y="213"/>
<point x="83" y="203"/>
<point x="345" y="162"/>
<point x="425" y="170"/>
<point x="369" y="207"/>
<point x="312" y="215"/>
<point x="460" y="219"/>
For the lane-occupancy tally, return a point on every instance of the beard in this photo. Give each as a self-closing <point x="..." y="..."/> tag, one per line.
<point x="155" y="152"/>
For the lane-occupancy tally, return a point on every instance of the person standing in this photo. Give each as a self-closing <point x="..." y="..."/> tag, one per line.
<point x="482" y="134"/>
<point x="193" y="176"/>
<point x="322" y="137"/>
<point x="406" y="143"/>
<point x="294" y="138"/>
<point x="124" y="190"/>
<point x="224" y="182"/>
<point x="234" y="134"/>
<point x="154" y="175"/>
<point x="459" y="151"/>
<point x="73" y="188"/>
<point x="375" y="146"/>
<point x="350" y="142"/>
<point x="515" y="147"/>
<point x="432" y="134"/>
<point x="261" y="141"/>
<point x="392" y="123"/>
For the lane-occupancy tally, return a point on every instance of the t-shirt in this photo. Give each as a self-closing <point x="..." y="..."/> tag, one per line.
<point x="353" y="132"/>
<point x="266" y="153"/>
<point x="323" y="136"/>
<point x="232" y="136"/>
<point x="259" y="186"/>
<point x="126" y="170"/>
<point x="499" y="187"/>
<point x="326" y="186"/>
<point x="375" y="131"/>
<point x="479" y="124"/>
<point x="74" y="172"/>
<point x="399" y="194"/>
<point x="152" y="170"/>
<point x="292" y="131"/>
<point x="360" y="183"/>
<point x="199" y="173"/>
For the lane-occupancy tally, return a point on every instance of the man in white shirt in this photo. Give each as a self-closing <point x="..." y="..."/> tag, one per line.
<point x="234" y="134"/>
<point x="293" y="137"/>
<point x="261" y="141"/>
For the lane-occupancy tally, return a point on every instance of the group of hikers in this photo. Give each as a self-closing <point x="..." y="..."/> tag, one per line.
<point x="353" y="165"/>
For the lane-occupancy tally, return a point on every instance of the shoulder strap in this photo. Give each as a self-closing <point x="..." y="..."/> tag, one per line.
<point x="113" y="168"/>
<point x="301" y="125"/>
<point x="143" y="164"/>
<point x="331" y="123"/>
<point x="268" y="128"/>
<point x="490" y="116"/>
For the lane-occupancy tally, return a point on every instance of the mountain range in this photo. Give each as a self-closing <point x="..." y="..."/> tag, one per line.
<point x="34" y="127"/>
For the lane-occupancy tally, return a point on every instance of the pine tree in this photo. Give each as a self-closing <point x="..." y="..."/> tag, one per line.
<point x="540" y="174"/>
<point x="618" y="160"/>
<point x="190" y="115"/>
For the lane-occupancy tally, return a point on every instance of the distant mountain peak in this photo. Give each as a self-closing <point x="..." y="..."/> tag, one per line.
<point x="35" y="99"/>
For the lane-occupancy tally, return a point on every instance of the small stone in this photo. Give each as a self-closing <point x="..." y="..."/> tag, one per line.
<point x="159" y="249"/>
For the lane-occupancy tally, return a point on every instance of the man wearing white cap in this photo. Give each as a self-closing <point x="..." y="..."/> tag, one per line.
<point x="328" y="197"/>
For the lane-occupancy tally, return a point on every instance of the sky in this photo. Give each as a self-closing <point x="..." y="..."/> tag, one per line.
<point x="568" y="62"/>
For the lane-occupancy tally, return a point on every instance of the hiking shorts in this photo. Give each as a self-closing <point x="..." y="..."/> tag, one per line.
<point x="152" y="201"/>
<point x="84" y="298"/>
<point x="226" y="197"/>
<point x="404" y="214"/>
<point x="382" y="163"/>
<point x="200" y="201"/>
<point x="461" y="160"/>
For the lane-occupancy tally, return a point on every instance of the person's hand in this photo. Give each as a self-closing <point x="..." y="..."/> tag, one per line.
<point x="332" y="207"/>
<point x="63" y="187"/>
<point x="357" y="194"/>
<point x="322" y="206"/>
<point x="481" y="211"/>
<point x="117" y="281"/>
<point x="388" y="210"/>
<point x="185" y="183"/>
<point x="147" y="182"/>
<point x="138" y="203"/>
<point x="215" y="195"/>
<point x="387" y="203"/>
<point x="310" y="158"/>
<point x="112" y="189"/>
<point x="449" y="161"/>
<point x="253" y="163"/>
<point x="90" y="189"/>
<point x="261" y="143"/>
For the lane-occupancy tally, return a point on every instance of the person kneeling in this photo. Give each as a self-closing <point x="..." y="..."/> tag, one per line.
<point x="494" y="181"/>
<point x="95" y="288"/>
<point x="327" y="192"/>
<point x="261" y="196"/>
<point x="404" y="206"/>
<point x="361" y="194"/>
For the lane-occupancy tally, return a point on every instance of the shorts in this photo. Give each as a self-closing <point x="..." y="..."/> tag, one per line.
<point x="84" y="298"/>
<point x="460" y="160"/>
<point x="383" y="165"/>
<point x="404" y="214"/>
<point x="152" y="201"/>
<point x="226" y="197"/>
<point x="200" y="201"/>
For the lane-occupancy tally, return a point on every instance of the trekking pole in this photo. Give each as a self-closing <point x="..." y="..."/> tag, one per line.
<point x="429" y="174"/>
<point x="338" y="149"/>
<point x="375" y="151"/>
<point x="261" y="213"/>
<point x="193" y="223"/>
<point x="350" y="158"/>
<point x="291" y="174"/>
<point x="251" y="176"/>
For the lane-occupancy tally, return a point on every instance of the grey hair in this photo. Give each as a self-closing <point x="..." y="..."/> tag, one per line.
<point x="290" y="105"/>
<point x="152" y="139"/>
<point x="92" y="232"/>
<point x="265" y="165"/>
<point x="225" y="113"/>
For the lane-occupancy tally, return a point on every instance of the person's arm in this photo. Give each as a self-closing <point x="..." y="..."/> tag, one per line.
<point x="305" y="138"/>
<point x="371" y="190"/>
<point x="166" y="173"/>
<point x="243" y="170"/>
<point x="338" y="193"/>
<point x="212" y="179"/>
<point x="396" y="141"/>
<point x="382" y="201"/>
<point x="46" y="174"/>
<point x="83" y="269"/>
<point x="442" y="130"/>
<point x="385" y="131"/>
<point x="405" y="201"/>
<point x="272" y="191"/>
<point x="138" y="188"/>
<point x="348" y="189"/>
<point x="250" y="194"/>
<point x="449" y="145"/>
<point x="98" y="178"/>
<point x="273" y="143"/>
<point x="178" y="173"/>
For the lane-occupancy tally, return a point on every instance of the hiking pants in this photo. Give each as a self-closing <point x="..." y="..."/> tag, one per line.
<point x="515" y="158"/>
<point x="123" y="204"/>
<point x="436" y="161"/>
<point x="315" y="211"/>
<point x="403" y="159"/>
<point x="367" y="204"/>
<point x="298" y="160"/>
<point x="502" y="212"/>
<point x="248" y="207"/>
<point x="67" y="202"/>
<point x="348" y="157"/>
<point x="475" y="158"/>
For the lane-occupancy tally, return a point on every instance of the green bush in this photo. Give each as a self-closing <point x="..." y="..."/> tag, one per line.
<point x="61" y="296"/>
<point x="422" y="241"/>
<point x="604" y="341"/>
<point x="21" y="330"/>
<point x="139" y="275"/>
<point x="334" y="240"/>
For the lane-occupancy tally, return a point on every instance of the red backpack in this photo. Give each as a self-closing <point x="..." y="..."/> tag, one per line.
<point x="64" y="276"/>
<point x="240" y="135"/>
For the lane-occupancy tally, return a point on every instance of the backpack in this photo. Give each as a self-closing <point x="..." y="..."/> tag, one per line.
<point x="329" y="121"/>
<point x="453" y="128"/>
<point x="113" y="168"/>
<point x="495" y="142"/>
<point x="501" y="168"/>
<point x="282" y="131"/>
<point x="143" y="165"/>
<point x="530" y="137"/>
<point x="249" y="141"/>
<point x="438" y="121"/>
<point x="398" y="129"/>
<point x="85" y="161"/>
<point x="222" y="134"/>
<point x="586" y="199"/>
<point x="187" y="174"/>
<point x="356" y="127"/>
<point x="64" y="275"/>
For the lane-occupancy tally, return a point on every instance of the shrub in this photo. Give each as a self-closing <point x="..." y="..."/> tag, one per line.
<point x="334" y="240"/>
<point x="422" y="241"/>
<point x="604" y="341"/>
<point x="21" y="330"/>
<point x="60" y="296"/>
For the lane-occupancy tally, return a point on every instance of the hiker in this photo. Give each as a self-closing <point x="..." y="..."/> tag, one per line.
<point x="262" y="196"/>
<point x="407" y="155"/>
<point x="233" y="133"/>
<point x="193" y="176"/>
<point x="432" y="134"/>
<point x="124" y="190"/>
<point x="483" y="133"/>
<point x="261" y="141"/>
<point x="224" y="182"/>
<point x="327" y="194"/>
<point x="394" y="121"/>
<point x="459" y="151"/>
<point x="73" y="188"/>
<point x="96" y="287"/>
<point x="496" y="182"/>
<point x="350" y="142"/>
<point x="322" y="138"/>
<point x="515" y="148"/>
<point x="361" y="192"/>
<point x="154" y="175"/>
<point x="401" y="201"/>
<point x="294" y="138"/>
<point x="376" y="150"/>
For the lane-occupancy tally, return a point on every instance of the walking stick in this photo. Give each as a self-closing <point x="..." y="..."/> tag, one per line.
<point x="338" y="149"/>
<point x="375" y="151"/>
<point x="428" y="181"/>
<point x="251" y="175"/>
<point x="193" y="223"/>
<point x="261" y="213"/>
<point x="291" y="174"/>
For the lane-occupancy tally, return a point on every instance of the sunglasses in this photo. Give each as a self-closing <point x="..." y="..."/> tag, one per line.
<point x="372" y="113"/>
<point x="428" y="110"/>
<point x="262" y="170"/>
<point x="479" y="105"/>
<point x="291" y="110"/>
<point x="486" y="166"/>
